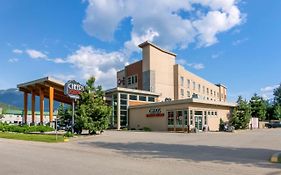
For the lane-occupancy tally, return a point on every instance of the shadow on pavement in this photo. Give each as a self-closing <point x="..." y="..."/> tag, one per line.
<point x="197" y="153"/>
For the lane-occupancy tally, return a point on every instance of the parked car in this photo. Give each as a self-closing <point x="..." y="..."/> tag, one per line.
<point x="275" y="124"/>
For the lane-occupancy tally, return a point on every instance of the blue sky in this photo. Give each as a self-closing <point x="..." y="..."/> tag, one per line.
<point x="236" y="43"/>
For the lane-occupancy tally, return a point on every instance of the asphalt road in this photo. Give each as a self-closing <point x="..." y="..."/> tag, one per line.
<point x="116" y="152"/>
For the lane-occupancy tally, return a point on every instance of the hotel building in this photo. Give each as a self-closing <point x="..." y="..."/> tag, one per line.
<point x="156" y="92"/>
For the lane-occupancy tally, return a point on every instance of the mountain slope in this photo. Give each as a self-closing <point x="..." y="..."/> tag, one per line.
<point x="14" y="98"/>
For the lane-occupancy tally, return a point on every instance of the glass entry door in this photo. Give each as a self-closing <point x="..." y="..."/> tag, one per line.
<point x="198" y="120"/>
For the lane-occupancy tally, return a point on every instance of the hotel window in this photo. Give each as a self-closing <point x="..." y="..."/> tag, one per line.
<point x="142" y="98"/>
<point x="199" y="87"/>
<point x="129" y="81"/>
<point x="185" y="118"/>
<point x="211" y="92"/>
<point x="207" y="91"/>
<point x="151" y="99"/>
<point x="188" y="83"/>
<point x="216" y="113"/>
<point x="132" y="79"/>
<point x="182" y="92"/>
<point x="214" y="93"/>
<point x="203" y="89"/>
<point x="194" y="84"/>
<point x="182" y="81"/>
<point x="170" y="118"/>
<point x="133" y="97"/>
<point x="188" y="93"/>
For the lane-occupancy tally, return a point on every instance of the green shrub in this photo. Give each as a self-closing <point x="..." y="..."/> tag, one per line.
<point x="24" y="128"/>
<point x="147" y="129"/>
<point x="68" y="134"/>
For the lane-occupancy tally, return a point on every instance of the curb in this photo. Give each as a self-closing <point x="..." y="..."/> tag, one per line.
<point x="276" y="158"/>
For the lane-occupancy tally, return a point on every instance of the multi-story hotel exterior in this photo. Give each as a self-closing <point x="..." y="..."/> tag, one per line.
<point x="181" y="99"/>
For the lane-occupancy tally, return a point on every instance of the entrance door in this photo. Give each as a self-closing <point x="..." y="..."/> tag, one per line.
<point x="198" y="119"/>
<point x="198" y="122"/>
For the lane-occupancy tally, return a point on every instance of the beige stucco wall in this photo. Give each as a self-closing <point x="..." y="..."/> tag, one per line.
<point x="138" y="119"/>
<point x="162" y="64"/>
<point x="181" y="72"/>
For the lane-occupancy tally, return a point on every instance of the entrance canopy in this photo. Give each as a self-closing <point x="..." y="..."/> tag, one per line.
<point x="46" y="87"/>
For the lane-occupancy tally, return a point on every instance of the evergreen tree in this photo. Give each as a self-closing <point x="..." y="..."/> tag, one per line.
<point x="277" y="112"/>
<point x="241" y="115"/>
<point x="92" y="112"/>
<point x="64" y="115"/>
<point x="277" y="95"/>
<point x="258" y="107"/>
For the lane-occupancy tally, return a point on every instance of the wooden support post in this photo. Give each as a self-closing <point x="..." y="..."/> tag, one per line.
<point x="33" y="107"/>
<point x="51" y="103"/>
<point x="41" y="105"/>
<point x="25" y="101"/>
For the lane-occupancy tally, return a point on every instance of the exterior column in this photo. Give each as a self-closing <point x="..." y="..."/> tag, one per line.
<point x="51" y="103"/>
<point x="25" y="106"/>
<point x="33" y="107"/>
<point x="118" y="112"/>
<point x="112" y="116"/>
<point x="41" y="105"/>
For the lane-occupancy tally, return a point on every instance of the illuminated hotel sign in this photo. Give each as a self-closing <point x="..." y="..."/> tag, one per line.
<point x="155" y="112"/>
<point x="73" y="89"/>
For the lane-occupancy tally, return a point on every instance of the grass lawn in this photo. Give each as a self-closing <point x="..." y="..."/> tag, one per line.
<point x="31" y="137"/>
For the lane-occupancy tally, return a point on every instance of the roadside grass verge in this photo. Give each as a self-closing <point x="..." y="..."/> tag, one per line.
<point x="32" y="137"/>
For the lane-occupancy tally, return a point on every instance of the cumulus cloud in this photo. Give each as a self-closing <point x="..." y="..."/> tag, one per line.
<point x="99" y="63"/>
<point x="35" y="54"/>
<point x="17" y="51"/>
<point x="61" y="77"/>
<point x="197" y="66"/>
<point x="210" y="17"/>
<point x="13" y="60"/>
<point x="131" y="46"/>
<point x="239" y="41"/>
<point x="267" y="92"/>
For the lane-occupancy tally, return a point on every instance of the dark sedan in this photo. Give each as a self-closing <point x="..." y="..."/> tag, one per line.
<point x="276" y="124"/>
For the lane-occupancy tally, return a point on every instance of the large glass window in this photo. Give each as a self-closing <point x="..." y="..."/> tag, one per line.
<point x="185" y="114"/>
<point x="133" y="97"/>
<point x="151" y="99"/>
<point x="142" y="98"/>
<point x="170" y="118"/>
<point x="179" y="118"/>
<point x="191" y="117"/>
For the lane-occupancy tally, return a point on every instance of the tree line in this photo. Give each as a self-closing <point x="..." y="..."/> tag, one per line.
<point x="256" y="107"/>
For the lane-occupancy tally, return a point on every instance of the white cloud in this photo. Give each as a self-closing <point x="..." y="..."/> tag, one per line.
<point x="101" y="64"/>
<point x="239" y="41"/>
<point x="197" y="66"/>
<point x="17" y="51"/>
<point x="162" y="17"/>
<point x="267" y="92"/>
<point x="183" y="62"/>
<point x="131" y="45"/>
<point x="36" y="54"/>
<point x="61" y="77"/>
<point x="13" y="60"/>
<point x="216" y="55"/>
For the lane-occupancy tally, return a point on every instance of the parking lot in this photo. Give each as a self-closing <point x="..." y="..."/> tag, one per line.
<point x="125" y="152"/>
